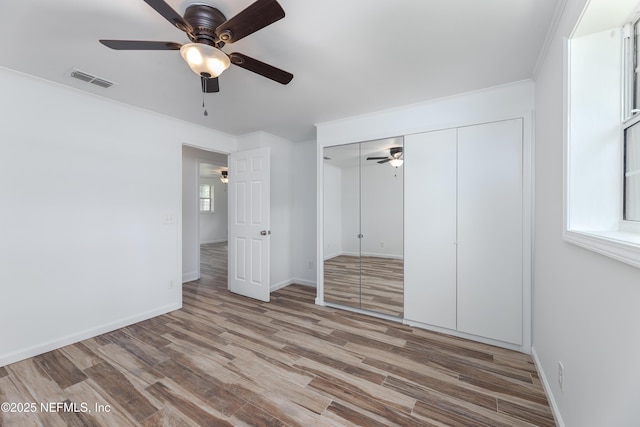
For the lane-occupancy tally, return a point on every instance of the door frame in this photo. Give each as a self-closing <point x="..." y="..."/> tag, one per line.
<point x="181" y="219"/>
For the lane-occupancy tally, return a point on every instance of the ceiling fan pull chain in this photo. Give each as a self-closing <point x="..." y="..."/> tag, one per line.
<point x="205" y="108"/>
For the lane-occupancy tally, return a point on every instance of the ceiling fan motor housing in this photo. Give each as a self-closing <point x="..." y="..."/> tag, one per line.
<point x="204" y="20"/>
<point x="395" y="151"/>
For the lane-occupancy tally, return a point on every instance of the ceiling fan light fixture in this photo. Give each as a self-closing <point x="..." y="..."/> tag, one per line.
<point x="204" y="59"/>
<point x="396" y="163"/>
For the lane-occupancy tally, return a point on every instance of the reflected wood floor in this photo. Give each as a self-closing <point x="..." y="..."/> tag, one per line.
<point x="226" y="360"/>
<point x="366" y="282"/>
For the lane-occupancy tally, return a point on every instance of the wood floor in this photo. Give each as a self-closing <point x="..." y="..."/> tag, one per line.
<point x="227" y="360"/>
<point x="366" y="282"/>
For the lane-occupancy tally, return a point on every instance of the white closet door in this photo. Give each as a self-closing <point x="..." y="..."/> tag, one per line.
<point x="430" y="224"/>
<point x="490" y="230"/>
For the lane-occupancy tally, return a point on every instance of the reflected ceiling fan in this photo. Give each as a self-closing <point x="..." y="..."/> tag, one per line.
<point x="209" y="30"/>
<point x="394" y="159"/>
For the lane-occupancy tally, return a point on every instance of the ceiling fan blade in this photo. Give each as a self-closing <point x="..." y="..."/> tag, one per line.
<point x="210" y="85"/>
<point x="255" y="17"/>
<point x="376" y="158"/>
<point x="170" y="15"/>
<point x="140" y="45"/>
<point x="384" y="161"/>
<point x="259" y="67"/>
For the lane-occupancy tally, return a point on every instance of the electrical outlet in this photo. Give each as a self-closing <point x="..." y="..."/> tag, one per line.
<point x="561" y="375"/>
<point x="170" y="284"/>
<point x="310" y="265"/>
<point x="382" y="244"/>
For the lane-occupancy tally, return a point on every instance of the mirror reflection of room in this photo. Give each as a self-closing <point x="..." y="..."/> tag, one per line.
<point x="363" y="226"/>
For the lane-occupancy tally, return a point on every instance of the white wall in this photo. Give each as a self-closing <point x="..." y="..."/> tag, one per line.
<point x="585" y="305"/>
<point x="304" y="213"/>
<point x="213" y="225"/>
<point x="382" y="210"/>
<point x="191" y="158"/>
<point x="281" y="203"/>
<point x="90" y="213"/>
<point x="371" y="204"/>
<point x="332" y="211"/>
<point x="350" y="214"/>
<point x="482" y="106"/>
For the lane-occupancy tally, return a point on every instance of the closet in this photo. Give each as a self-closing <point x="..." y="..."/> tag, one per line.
<point x="464" y="230"/>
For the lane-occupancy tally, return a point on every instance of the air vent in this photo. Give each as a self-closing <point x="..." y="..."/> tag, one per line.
<point x="101" y="83"/>
<point x="89" y="78"/>
<point x="81" y="76"/>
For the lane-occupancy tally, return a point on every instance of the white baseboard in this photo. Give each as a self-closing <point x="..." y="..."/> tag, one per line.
<point x="378" y="255"/>
<point x="547" y="389"/>
<point x="283" y="284"/>
<point x="347" y="253"/>
<point x="304" y="282"/>
<point x="286" y="283"/>
<point x="190" y="276"/>
<point x="17" y="356"/>
<point x="329" y="256"/>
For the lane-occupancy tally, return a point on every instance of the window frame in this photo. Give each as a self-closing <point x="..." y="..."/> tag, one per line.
<point x="621" y="241"/>
<point x="210" y="198"/>
<point x="631" y="106"/>
<point x="628" y="124"/>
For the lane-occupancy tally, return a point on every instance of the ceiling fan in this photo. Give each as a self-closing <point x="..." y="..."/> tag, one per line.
<point x="394" y="158"/>
<point x="209" y="30"/>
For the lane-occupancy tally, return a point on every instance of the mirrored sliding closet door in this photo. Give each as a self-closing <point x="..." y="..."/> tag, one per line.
<point x="363" y="225"/>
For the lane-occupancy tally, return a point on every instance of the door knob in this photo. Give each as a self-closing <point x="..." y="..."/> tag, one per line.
<point x="265" y="232"/>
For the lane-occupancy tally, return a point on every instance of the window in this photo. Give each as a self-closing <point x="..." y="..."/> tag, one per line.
<point x="631" y="45"/>
<point x="631" y="129"/>
<point x="632" y="173"/>
<point x="206" y="198"/>
<point x="602" y="206"/>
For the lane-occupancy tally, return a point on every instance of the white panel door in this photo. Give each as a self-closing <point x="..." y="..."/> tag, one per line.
<point x="490" y="230"/>
<point x="430" y="221"/>
<point x="249" y="223"/>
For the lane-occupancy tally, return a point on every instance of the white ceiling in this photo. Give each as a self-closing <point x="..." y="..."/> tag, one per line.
<point x="348" y="57"/>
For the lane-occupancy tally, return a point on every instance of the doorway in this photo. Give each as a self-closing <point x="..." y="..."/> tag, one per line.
<point x="204" y="217"/>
